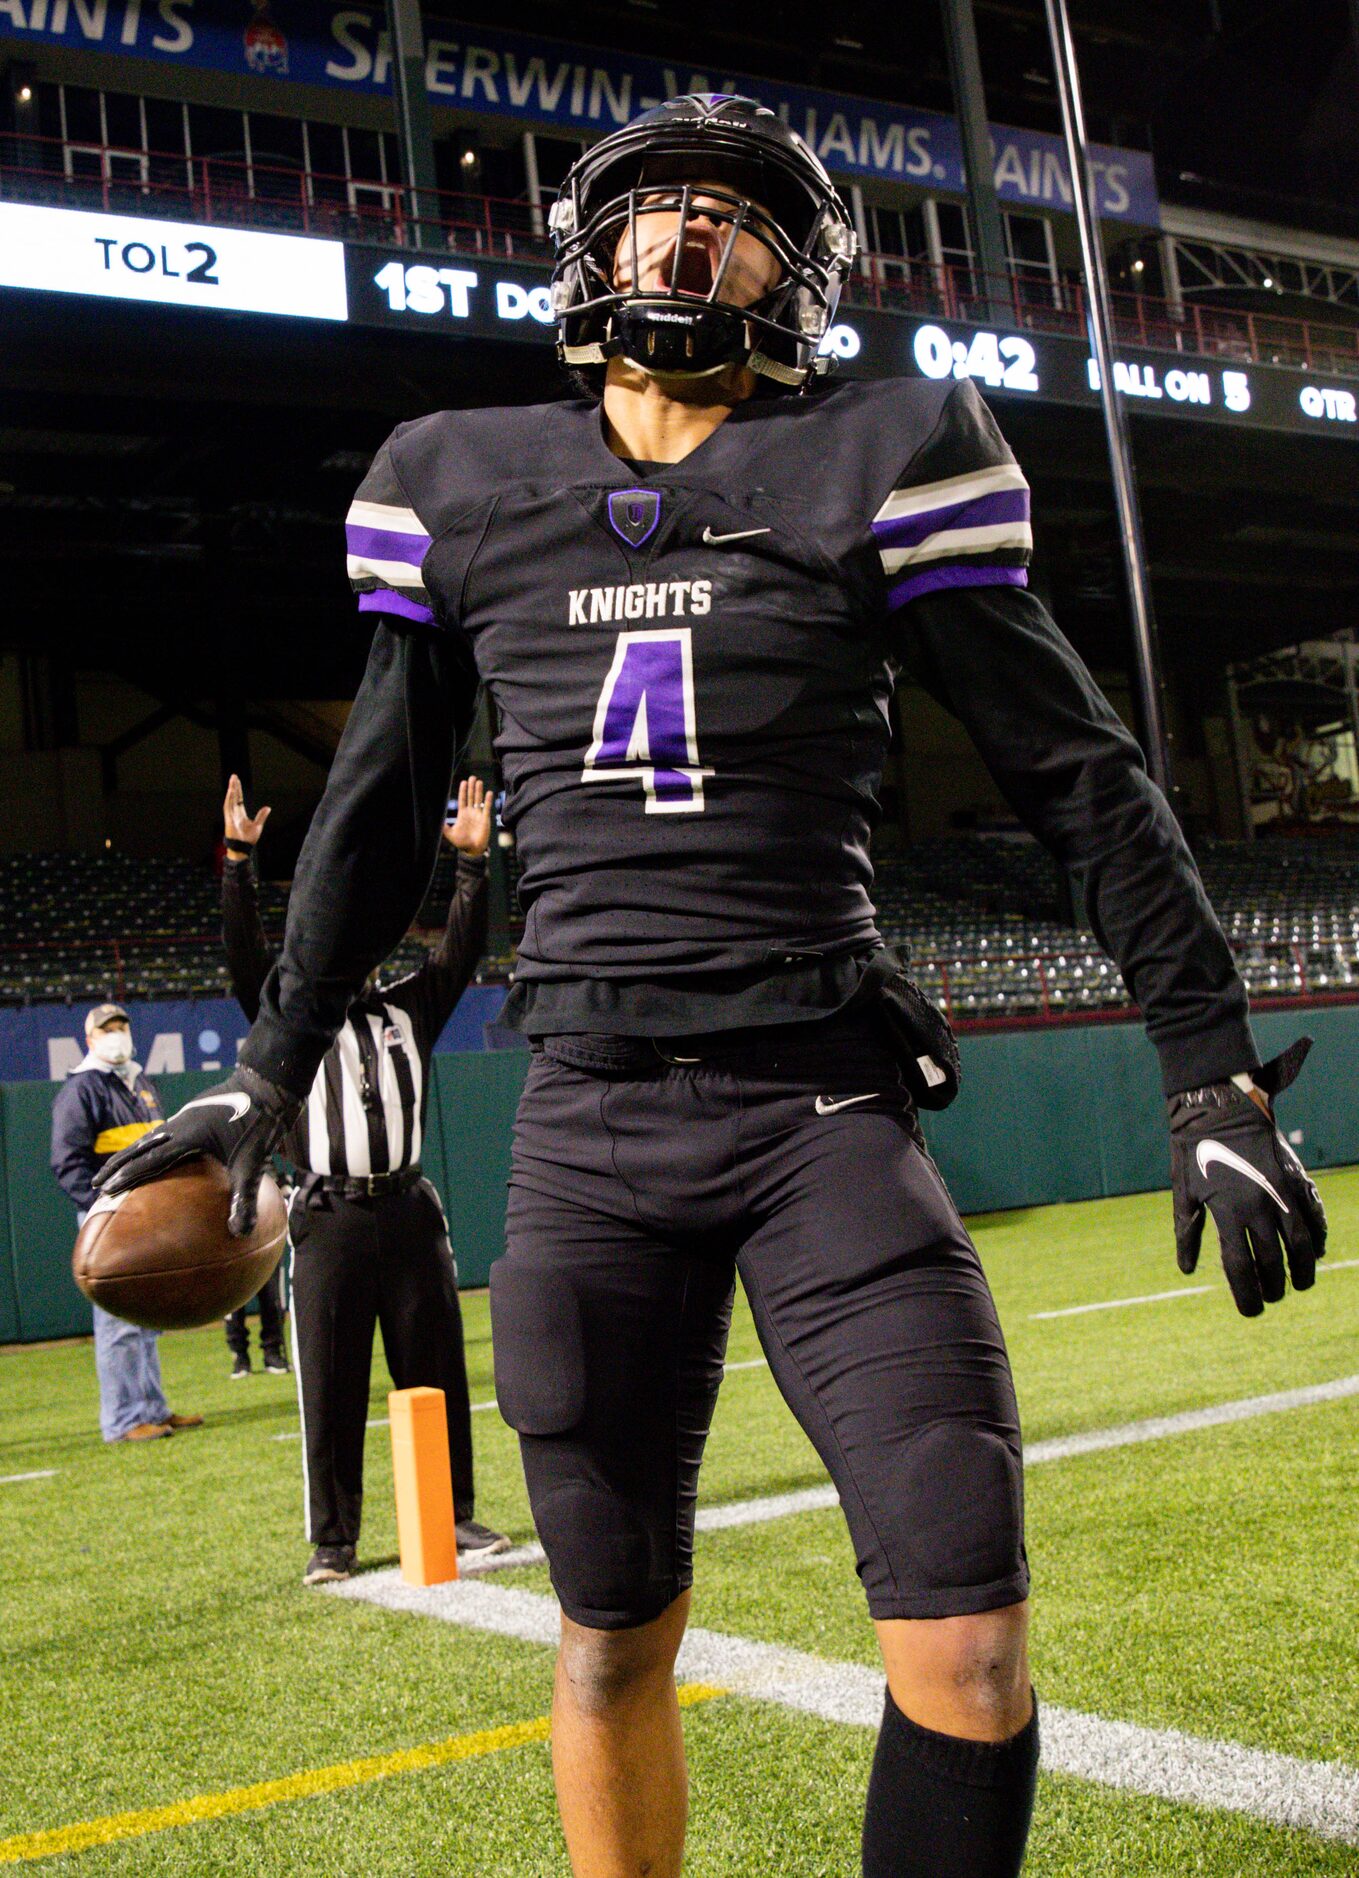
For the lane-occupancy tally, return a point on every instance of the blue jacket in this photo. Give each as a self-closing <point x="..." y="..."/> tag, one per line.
<point x="95" y="1114"/>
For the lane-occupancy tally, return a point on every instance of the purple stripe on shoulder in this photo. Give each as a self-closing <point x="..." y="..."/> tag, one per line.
<point x="386" y="544"/>
<point x="932" y="579"/>
<point x="1006" y="505"/>
<point x="385" y="600"/>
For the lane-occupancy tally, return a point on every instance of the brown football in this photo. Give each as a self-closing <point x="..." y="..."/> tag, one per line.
<point x="160" y="1254"/>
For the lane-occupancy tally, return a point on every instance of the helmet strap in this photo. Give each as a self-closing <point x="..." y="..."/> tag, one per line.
<point x="765" y="367"/>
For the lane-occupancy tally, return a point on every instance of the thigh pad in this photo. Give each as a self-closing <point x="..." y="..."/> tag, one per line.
<point x="539" y="1348"/>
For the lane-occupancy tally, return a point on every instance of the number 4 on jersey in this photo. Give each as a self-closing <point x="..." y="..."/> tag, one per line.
<point x="645" y="729"/>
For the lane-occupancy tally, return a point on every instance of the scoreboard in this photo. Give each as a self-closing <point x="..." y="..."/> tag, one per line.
<point x="251" y="272"/>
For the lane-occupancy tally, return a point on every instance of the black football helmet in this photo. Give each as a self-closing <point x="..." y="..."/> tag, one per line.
<point x="759" y="177"/>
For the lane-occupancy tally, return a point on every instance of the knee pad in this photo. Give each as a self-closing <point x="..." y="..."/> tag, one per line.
<point x="961" y="1506"/>
<point x="538" y="1346"/>
<point x="599" y="1550"/>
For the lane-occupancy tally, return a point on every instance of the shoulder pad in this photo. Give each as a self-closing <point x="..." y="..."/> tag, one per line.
<point x="957" y="513"/>
<point x="428" y="474"/>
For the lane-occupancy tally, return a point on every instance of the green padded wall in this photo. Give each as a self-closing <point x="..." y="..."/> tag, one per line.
<point x="9" y="1297"/>
<point x="1076" y="1113"/>
<point x="42" y="1223"/>
<point x="1044" y="1115"/>
<point x="477" y="1094"/>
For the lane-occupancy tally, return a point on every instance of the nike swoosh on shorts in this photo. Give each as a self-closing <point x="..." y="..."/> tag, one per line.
<point x="238" y="1104"/>
<point x="1209" y="1151"/>
<point x="741" y="534"/>
<point x="829" y="1105"/>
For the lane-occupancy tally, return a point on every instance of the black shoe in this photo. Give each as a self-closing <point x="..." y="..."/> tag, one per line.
<point x="276" y="1363"/>
<point x="240" y="1368"/>
<point x="328" y="1564"/>
<point x="478" y="1541"/>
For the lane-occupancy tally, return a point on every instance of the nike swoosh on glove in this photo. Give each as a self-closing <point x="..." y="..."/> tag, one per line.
<point x="1228" y="1158"/>
<point x="240" y="1122"/>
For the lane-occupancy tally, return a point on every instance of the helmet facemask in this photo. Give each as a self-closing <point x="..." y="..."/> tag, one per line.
<point x="710" y="174"/>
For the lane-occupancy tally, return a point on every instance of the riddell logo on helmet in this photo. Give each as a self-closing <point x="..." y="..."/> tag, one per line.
<point x="644" y="599"/>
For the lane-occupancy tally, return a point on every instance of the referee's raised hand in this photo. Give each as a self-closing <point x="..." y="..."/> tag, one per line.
<point x="239" y="829"/>
<point x="469" y="831"/>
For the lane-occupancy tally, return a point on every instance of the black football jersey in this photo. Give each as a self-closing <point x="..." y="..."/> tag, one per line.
<point x="692" y="666"/>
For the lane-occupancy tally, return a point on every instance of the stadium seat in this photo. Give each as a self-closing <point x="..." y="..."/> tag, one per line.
<point x="979" y="915"/>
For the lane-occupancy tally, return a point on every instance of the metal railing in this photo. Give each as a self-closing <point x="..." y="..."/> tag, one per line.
<point x="1080" y="984"/>
<point x="993" y="989"/>
<point x="1040" y="304"/>
<point x="230" y="191"/>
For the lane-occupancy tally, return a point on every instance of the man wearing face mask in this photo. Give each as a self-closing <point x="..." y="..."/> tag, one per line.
<point x="106" y="1104"/>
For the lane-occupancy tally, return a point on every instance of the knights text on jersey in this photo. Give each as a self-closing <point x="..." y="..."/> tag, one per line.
<point x="693" y="667"/>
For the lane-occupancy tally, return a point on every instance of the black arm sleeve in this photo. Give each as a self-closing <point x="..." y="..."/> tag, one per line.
<point x="249" y="955"/>
<point x="1075" y="777"/>
<point x="430" y="993"/>
<point x="370" y="851"/>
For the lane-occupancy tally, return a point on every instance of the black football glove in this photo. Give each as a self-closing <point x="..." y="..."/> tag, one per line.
<point x="240" y="1122"/>
<point x="1227" y="1156"/>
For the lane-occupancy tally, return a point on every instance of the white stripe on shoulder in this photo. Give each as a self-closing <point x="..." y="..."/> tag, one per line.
<point x="952" y="489"/>
<point x="957" y="543"/>
<point x="387" y="573"/>
<point x="382" y="515"/>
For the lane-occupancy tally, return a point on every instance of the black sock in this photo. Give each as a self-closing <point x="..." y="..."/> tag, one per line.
<point x="940" y="1807"/>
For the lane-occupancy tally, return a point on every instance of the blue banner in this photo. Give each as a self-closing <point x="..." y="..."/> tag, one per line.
<point x="44" y="1042"/>
<point x="578" y="89"/>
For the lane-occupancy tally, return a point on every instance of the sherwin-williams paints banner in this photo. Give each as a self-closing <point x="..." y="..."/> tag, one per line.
<point x="580" y="89"/>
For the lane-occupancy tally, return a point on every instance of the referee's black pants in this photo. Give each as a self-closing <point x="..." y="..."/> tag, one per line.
<point x="358" y="1263"/>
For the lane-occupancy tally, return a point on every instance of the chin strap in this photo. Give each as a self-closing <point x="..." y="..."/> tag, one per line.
<point x="765" y="367"/>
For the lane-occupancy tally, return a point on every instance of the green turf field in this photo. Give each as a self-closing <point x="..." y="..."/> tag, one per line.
<point x="158" y="1645"/>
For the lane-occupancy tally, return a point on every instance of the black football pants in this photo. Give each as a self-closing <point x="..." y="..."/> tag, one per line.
<point x="357" y="1264"/>
<point x="271" y="1323"/>
<point x="635" y="1198"/>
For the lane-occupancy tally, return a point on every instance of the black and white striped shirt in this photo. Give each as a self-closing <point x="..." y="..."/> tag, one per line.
<point x="365" y="1112"/>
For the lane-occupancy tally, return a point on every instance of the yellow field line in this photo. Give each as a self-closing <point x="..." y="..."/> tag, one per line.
<point x="51" y="1843"/>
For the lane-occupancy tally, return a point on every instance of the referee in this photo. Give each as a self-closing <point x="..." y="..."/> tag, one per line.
<point x="370" y="1242"/>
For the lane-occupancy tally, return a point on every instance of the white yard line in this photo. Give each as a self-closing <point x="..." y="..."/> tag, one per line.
<point x="1160" y="1427"/>
<point x="707" y="1519"/>
<point x="1324" y="1270"/>
<point x="481" y="1408"/>
<point x="1319" y="1796"/>
<point x="1071" y="1310"/>
<point x="42" y="1473"/>
<point x="1118" y="1304"/>
<point x="1036" y="1454"/>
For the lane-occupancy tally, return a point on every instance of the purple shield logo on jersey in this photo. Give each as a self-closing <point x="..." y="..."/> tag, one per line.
<point x="634" y="513"/>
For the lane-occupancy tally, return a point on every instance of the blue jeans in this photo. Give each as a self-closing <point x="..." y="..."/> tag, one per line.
<point x="127" y="1363"/>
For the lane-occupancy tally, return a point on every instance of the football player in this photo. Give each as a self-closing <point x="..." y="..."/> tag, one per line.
<point x="690" y="591"/>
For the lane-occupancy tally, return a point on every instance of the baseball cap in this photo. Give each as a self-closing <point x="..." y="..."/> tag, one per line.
<point x="101" y="1015"/>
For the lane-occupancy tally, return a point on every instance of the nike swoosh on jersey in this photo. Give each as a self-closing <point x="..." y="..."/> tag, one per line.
<point x="1209" y="1151"/>
<point x="741" y="534"/>
<point x="238" y="1104"/>
<point x="830" y="1105"/>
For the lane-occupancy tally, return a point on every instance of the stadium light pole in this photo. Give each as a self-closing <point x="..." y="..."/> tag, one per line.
<point x="1099" y="320"/>
<point x="414" y="119"/>
<point x="969" y="97"/>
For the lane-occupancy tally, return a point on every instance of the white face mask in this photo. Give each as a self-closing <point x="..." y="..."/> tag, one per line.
<point x="113" y="1047"/>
